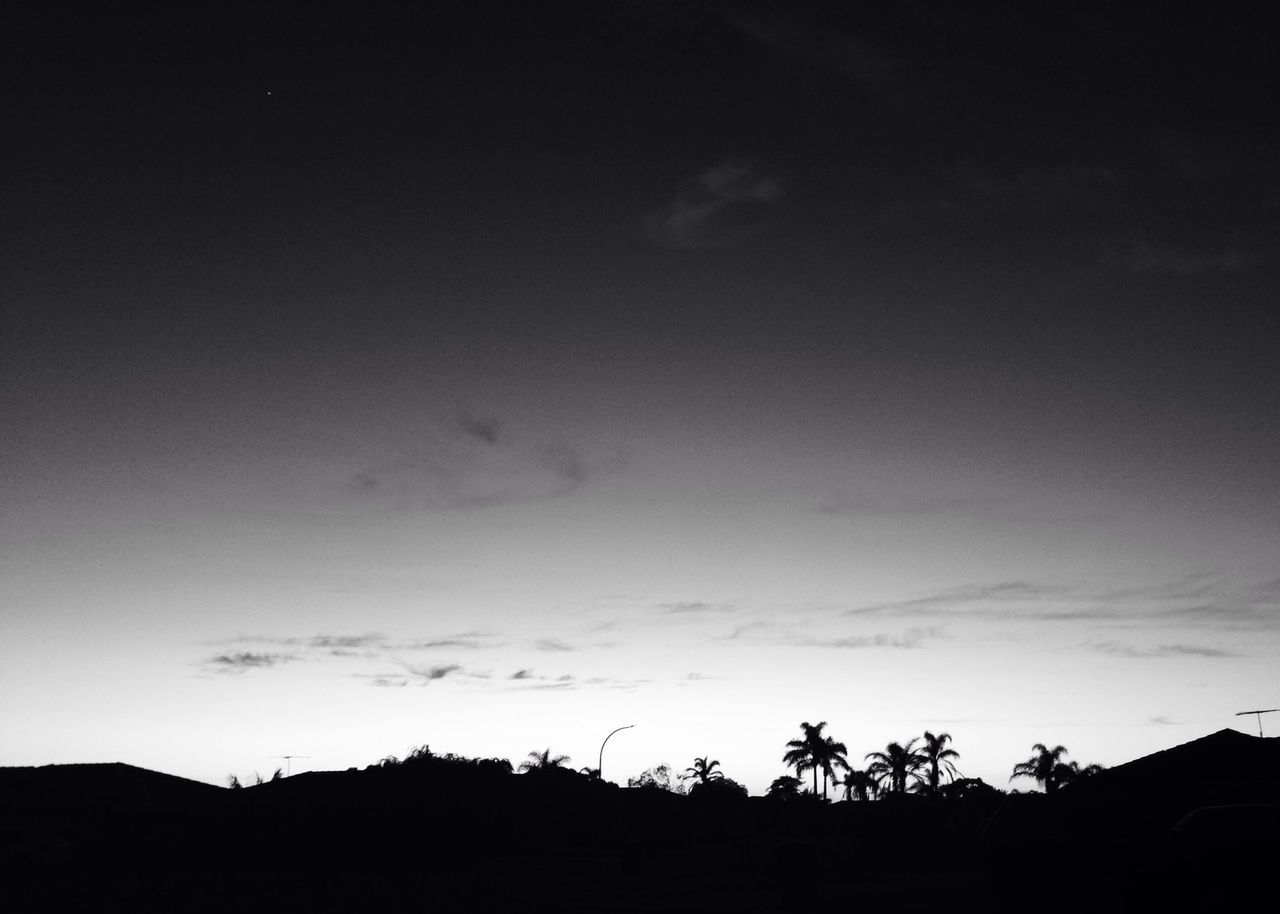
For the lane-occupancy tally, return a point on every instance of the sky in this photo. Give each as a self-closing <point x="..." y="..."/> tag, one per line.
<point x="491" y="377"/>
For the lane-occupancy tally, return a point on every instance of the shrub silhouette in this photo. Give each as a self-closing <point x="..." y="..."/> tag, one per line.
<point x="784" y="787"/>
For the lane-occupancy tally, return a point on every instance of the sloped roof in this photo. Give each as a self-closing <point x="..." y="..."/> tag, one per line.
<point x="1153" y="792"/>
<point x="1228" y="760"/>
<point x="110" y="786"/>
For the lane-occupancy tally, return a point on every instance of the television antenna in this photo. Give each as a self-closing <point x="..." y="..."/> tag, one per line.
<point x="288" y="764"/>
<point x="1259" y="714"/>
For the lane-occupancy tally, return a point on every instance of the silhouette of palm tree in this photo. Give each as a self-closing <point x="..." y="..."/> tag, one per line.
<point x="1046" y="766"/>
<point x="815" y="752"/>
<point x="896" y="765"/>
<point x="540" y="761"/>
<point x="806" y="753"/>
<point x="1070" y="772"/>
<point x="703" y="770"/>
<point x="860" y="785"/>
<point x="940" y="760"/>
<point x="832" y="756"/>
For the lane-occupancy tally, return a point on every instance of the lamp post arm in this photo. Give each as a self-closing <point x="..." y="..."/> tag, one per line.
<point x="600" y="760"/>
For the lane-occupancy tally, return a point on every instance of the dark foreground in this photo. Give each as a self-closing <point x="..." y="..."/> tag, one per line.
<point x="116" y="838"/>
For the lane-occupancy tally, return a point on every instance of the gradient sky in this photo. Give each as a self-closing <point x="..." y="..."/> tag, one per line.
<point x="491" y="379"/>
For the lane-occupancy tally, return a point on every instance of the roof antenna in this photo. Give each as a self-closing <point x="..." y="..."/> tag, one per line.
<point x="288" y="764"/>
<point x="1259" y="713"/>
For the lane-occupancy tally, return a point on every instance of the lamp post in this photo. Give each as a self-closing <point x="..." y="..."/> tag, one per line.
<point x="600" y="760"/>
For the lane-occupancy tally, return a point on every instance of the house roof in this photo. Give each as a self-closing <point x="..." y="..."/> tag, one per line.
<point x="110" y="786"/>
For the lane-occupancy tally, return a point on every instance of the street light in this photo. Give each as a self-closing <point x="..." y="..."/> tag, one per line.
<point x="600" y="760"/>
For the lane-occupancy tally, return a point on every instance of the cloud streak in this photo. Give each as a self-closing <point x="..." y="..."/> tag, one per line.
<point x="717" y="208"/>
<point x="1121" y="649"/>
<point x="469" y="464"/>
<point x="236" y="662"/>
<point x="772" y="634"/>
<point x="1207" y="600"/>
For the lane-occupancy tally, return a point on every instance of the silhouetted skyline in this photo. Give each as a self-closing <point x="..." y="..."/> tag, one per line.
<point x="492" y="378"/>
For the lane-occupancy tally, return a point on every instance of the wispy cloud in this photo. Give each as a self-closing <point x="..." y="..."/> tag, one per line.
<point x="469" y="463"/>
<point x="553" y="644"/>
<point x="1122" y="649"/>
<point x="472" y="641"/>
<point x="483" y="430"/>
<point x="977" y="598"/>
<point x="1202" y="599"/>
<point x="433" y="673"/>
<point x="235" y="662"/>
<point x="346" y="648"/>
<point x="390" y="681"/>
<point x="781" y="28"/>
<point x="717" y="208"/>
<point x="348" y="642"/>
<point x="774" y="634"/>
<point x="910" y="638"/>
<point x="694" y="608"/>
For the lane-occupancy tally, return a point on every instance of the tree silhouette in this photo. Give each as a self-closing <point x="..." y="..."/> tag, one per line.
<point x="896" y="765"/>
<point x="815" y="752"/>
<point x="860" y="785"/>
<point x="656" y="778"/>
<point x="1046" y="766"/>
<point x="1065" y="773"/>
<point x="593" y="773"/>
<point x="541" y="761"/>
<point x="939" y="759"/>
<point x="833" y="755"/>
<point x="703" y="770"/>
<point x="784" y="787"/>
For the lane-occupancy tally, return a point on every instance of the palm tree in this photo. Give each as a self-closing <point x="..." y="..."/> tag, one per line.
<point x="1046" y="766"/>
<point x="1071" y="772"/>
<point x="815" y="752"/>
<point x="541" y="761"/>
<point x="859" y="785"/>
<point x="896" y="765"/>
<point x="832" y="757"/>
<point x="703" y="770"/>
<point x="799" y="754"/>
<point x="940" y="760"/>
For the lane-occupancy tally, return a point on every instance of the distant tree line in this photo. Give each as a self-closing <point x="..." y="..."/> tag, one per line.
<point x="924" y="765"/>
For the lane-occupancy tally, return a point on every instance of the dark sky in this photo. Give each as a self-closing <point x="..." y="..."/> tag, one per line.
<point x="1044" y="190"/>
<point x="990" y="285"/>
